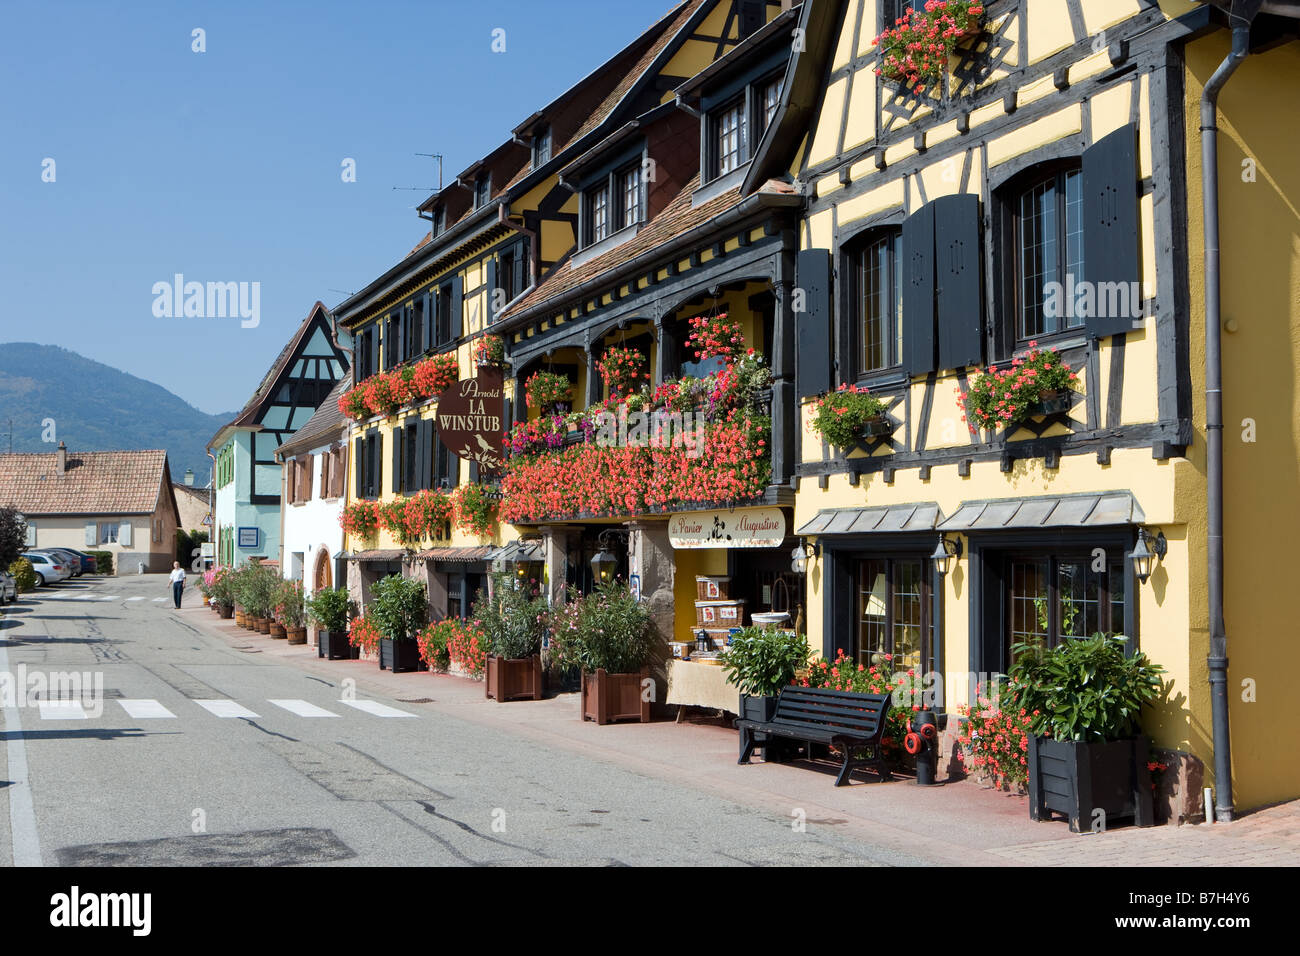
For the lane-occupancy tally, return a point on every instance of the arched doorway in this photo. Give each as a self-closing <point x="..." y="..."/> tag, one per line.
<point x="321" y="577"/>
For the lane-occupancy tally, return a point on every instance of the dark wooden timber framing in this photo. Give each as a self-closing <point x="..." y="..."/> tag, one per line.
<point x="1150" y="49"/>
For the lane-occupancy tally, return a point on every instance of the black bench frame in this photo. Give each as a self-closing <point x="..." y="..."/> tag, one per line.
<point x="842" y="719"/>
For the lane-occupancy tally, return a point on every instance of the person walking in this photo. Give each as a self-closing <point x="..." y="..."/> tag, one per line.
<point x="178" y="582"/>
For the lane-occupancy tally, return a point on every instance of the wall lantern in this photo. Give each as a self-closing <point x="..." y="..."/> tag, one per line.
<point x="1149" y="547"/>
<point x="604" y="564"/>
<point x="945" y="552"/>
<point x="800" y="556"/>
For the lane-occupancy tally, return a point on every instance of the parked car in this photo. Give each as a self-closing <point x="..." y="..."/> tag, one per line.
<point x="8" y="588"/>
<point x="49" y="568"/>
<point x="71" y="557"/>
<point x="88" y="561"/>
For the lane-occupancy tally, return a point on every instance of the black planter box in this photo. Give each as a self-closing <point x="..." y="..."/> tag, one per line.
<point x="334" y="646"/>
<point x="399" y="656"/>
<point x="1078" y="779"/>
<point x="757" y="708"/>
<point x="1051" y="403"/>
<point x="878" y="427"/>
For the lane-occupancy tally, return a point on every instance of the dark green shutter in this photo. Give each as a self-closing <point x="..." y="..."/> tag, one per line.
<point x="358" y="467"/>
<point x="490" y="281"/>
<point x="397" y="459"/>
<point x="427" y="332"/>
<point x="958" y="295"/>
<point x="813" y="349"/>
<point x="1110" y="226"/>
<point x="457" y="304"/>
<point x="918" y="292"/>
<point x="519" y="269"/>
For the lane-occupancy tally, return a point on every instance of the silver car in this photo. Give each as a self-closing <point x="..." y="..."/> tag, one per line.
<point x="49" y="568"/>
<point x="72" y="558"/>
<point x="8" y="588"/>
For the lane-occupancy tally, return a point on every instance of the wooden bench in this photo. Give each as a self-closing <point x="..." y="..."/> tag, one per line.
<point x="843" y="719"/>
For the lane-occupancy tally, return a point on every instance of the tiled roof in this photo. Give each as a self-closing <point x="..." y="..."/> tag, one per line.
<point x="93" y="483"/>
<point x="194" y="491"/>
<point x="479" y="553"/>
<point x="324" y="425"/>
<point x="676" y="218"/>
<point x="616" y="95"/>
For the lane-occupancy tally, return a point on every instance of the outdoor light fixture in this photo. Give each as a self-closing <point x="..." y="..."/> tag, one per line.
<point x="1149" y="547"/>
<point x="604" y="564"/>
<point x="944" y="553"/>
<point x="801" y="554"/>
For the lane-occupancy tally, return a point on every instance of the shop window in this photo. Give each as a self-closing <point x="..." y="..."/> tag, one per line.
<point x="1051" y="599"/>
<point x="893" y="613"/>
<point x="875" y="302"/>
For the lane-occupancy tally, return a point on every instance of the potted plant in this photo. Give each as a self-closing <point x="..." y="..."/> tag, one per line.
<point x="400" y="610"/>
<point x="363" y="635"/>
<point x="916" y="49"/>
<point x="490" y="352"/>
<point x="623" y="370"/>
<point x="434" y="643"/>
<point x="1038" y="383"/>
<point x="291" y="612"/>
<point x="849" y="413"/>
<point x="513" y="619"/>
<point x="328" y="609"/>
<point x="760" y="661"/>
<point x="548" y="391"/>
<point x="610" y="643"/>
<point x="1086" y="751"/>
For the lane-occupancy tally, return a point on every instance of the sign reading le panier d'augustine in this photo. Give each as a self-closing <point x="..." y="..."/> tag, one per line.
<point x="471" y="418"/>
<point x="742" y="528"/>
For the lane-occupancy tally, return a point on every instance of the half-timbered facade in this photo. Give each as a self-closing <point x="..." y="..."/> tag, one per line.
<point x="246" y="472"/>
<point x="1033" y="196"/>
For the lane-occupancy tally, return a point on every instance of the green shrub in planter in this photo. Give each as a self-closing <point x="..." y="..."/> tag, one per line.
<point x="399" y="607"/>
<point x="760" y="661"/>
<point x="612" y="631"/>
<point x="24" y="575"/>
<point x="330" y="609"/>
<point x="1085" y="689"/>
<point x="514" y="618"/>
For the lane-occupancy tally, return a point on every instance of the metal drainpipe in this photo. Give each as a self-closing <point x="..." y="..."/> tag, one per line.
<point x="1218" y="659"/>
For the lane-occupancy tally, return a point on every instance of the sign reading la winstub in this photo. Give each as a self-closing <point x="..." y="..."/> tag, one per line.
<point x="471" y="415"/>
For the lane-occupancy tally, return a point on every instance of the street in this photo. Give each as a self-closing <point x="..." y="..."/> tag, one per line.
<point x="212" y="754"/>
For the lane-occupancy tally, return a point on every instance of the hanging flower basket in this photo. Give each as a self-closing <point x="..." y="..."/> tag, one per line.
<point x="546" y="390"/>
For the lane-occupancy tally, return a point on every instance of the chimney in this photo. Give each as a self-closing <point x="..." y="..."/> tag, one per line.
<point x="189" y="477"/>
<point x="61" y="459"/>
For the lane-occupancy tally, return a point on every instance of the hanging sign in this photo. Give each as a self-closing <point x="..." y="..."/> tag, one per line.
<point x="741" y="528"/>
<point x="471" y="418"/>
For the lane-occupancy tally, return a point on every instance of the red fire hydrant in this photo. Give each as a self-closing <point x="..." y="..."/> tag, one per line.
<point x="922" y="743"/>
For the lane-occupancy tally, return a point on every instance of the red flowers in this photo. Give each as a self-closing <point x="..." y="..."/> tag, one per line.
<point x="1001" y="397"/>
<point x="385" y="393"/>
<point x="840" y="416"/>
<point x="917" y="48"/>
<point x="623" y="370"/>
<point x="364" y="633"/>
<point x="840" y="674"/>
<point x="716" y="336"/>
<point x="995" y="738"/>
<point x="360" y="518"/>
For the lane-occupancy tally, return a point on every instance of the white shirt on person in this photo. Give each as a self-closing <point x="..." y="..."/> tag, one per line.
<point x="177" y="576"/>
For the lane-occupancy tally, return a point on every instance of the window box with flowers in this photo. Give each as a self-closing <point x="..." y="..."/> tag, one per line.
<point x="386" y="393"/>
<point x="474" y="509"/>
<point x="917" y="48"/>
<point x="1039" y="383"/>
<point x="848" y="414"/>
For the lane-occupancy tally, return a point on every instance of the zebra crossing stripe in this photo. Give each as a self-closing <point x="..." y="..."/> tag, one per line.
<point x="225" y="708"/>
<point x="302" y="708"/>
<point x="61" y="710"/>
<point x="145" y="709"/>
<point x="376" y="708"/>
<point x="136" y="598"/>
<point x="158" y="600"/>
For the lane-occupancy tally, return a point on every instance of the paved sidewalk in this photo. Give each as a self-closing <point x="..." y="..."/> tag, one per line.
<point x="958" y="822"/>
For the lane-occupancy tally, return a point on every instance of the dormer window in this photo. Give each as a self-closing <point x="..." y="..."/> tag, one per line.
<point x="598" y="204"/>
<point x="482" y="190"/>
<point x="630" y="188"/>
<point x="437" y="221"/>
<point x="769" y="99"/>
<point x="541" y="147"/>
<point x="729" y="137"/>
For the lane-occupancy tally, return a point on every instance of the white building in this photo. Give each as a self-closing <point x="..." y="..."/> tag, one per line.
<point x="313" y="493"/>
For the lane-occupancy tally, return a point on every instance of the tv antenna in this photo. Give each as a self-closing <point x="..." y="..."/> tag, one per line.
<point x="427" y="189"/>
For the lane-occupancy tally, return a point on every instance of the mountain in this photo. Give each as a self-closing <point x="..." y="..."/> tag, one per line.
<point x="97" y="408"/>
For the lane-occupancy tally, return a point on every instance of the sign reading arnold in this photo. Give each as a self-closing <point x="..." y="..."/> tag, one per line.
<point x="471" y="416"/>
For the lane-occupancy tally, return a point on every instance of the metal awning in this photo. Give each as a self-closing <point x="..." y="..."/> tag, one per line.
<point x="921" y="516"/>
<point x="463" y="555"/>
<point x="515" y="551"/>
<point x="1066" y="511"/>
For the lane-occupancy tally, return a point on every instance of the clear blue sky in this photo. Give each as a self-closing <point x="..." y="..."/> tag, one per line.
<point x="225" y="165"/>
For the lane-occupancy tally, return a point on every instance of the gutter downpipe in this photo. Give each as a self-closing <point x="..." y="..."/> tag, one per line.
<point x="1218" y="658"/>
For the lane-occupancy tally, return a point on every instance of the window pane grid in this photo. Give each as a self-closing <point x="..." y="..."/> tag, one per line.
<point x="877" y="267"/>
<point x="632" y="196"/>
<point x="730" y="134"/>
<point x="600" y="214"/>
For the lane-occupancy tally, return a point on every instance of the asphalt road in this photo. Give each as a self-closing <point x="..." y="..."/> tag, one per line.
<point x="200" y="753"/>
